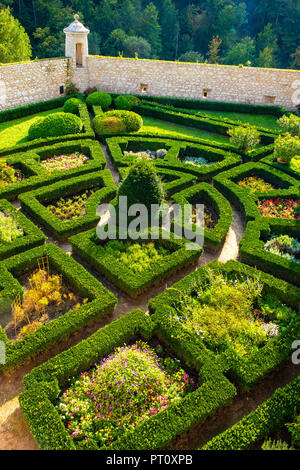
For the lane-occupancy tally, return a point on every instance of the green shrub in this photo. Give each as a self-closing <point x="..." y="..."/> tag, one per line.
<point x="244" y="138"/>
<point x="72" y="106"/>
<point x="108" y="124"/>
<point x="99" y="98"/>
<point x="286" y="148"/>
<point x="54" y="125"/>
<point x="132" y="121"/>
<point x="126" y="102"/>
<point x="290" y="124"/>
<point x="142" y="185"/>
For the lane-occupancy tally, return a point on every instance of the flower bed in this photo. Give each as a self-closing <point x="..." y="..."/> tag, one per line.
<point x="257" y="238"/>
<point x="254" y="184"/>
<point x="46" y="382"/>
<point x="205" y="312"/>
<point x="227" y="183"/>
<point x="65" y="162"/>
<point x="281" y="208"/>
<point x="29" y="165"/>
<point x="17" y="233"/>
<point x="9" y="174"/>
<point x="123" y="391"/>
<point x="82" y="285"/>
<point x="220" y="159"/>
<point x="148" y="154"/>
<point x="116" y="267"/>
<point x="216" y="227"/>
<point x="67" y="218"/>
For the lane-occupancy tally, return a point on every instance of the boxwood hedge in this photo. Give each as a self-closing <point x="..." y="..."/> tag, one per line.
<point x="176" y="151"/>
<point x="244" y="372"/>
<point x="271" y="161"/>
<point x="47" y="381"/>
<point x="269" y="417"/>
<point x="204" y="193"/>
<point x="34" y="202"/>
<point x="92" y="250"/>
<point x="35" y="175"/>
<point x="100" y="301"/>
<point x="252" y="248"/>
<point x="31" y="238"/>
<point x="227" y="181"/>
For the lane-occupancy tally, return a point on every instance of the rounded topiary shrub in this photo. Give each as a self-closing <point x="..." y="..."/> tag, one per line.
<point x="55" y="125"/>
<point x="142" y="185"/>
<point x="99" y="98"/>
<point x="108" y="124"/>
<point x="72" y="106"/>
<point x="132" y="121"/>
<point x="126" y="102"/>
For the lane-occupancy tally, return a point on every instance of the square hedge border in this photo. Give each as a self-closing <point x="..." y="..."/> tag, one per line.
<point x="272" y="162"/>
<point x="213" y="239"/>
<point x="29" y="164"/>
<point x="44" y="384"/>
<point x="32" y="202"/>
<point x="178" y="180"/>
<point x="225" y="183"/>
<point x="88" y="133"/>
<point x="269" y="417"/>
<point x="245" y="373"/>
<point x="32" y="235"/>
<point x="252" y="248"/>
<point x="101" y="302"/>
<point x="224" y="159"/>
<point x="88" y="247"/>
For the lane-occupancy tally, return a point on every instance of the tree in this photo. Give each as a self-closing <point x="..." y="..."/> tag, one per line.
<point x="115" y="42"/>
<point x="265" y="58"/>
<point x="214" y="50"/>
<point x="296" y="59"/>
<point x="137" y="46"/>
<point x="169" y="21"/>
<point x="242" y="53"/>
<point x="191" y="56"/>
<point x="14" y="42"/>
<point x="150" y="28"/>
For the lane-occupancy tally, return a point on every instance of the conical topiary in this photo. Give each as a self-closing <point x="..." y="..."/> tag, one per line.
<point x="142" y="185"/>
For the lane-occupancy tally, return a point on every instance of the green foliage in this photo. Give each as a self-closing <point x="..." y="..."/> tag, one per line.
<point x="14" y="41"/>
<point x="133" y="121"/>
<point x="275" y="445"/>
<point x="126" y="102"/>
<point x="57" y="124"/>
<point x="72" y="106"/>
<point x="290" y="124"/>
<point x="244" y="138"/>
<point x="137" y="46"/>
<point x="287" y="147"/>
<point x="9" y="228"/>
<point x="99" y="98"/>
<point x="191" y="56"/>
<point x="108" y="125"/>
<point x="142" y="185"/>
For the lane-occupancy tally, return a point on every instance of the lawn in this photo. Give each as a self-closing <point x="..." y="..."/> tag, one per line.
<point x="15" y="132"/>
<point x="152" y="125"/>
<point x="262" y="120"/>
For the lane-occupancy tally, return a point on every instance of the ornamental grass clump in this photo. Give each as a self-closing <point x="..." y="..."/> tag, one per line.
<point x="124" y="390"/>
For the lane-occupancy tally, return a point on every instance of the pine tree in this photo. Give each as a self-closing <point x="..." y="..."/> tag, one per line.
<point x="150" y="28"/>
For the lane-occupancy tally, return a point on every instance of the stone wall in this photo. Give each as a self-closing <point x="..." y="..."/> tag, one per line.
<point x="30" y="82"/>
<point x="185" y="80"/>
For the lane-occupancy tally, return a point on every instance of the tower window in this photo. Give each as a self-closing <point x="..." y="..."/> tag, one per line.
<point x="206" y="93"/>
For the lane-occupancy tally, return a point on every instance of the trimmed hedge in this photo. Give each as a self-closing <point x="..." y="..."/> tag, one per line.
<point x="99" y="98"/>
<point x="252" y="248"/>
<point x="126" y="102"/>
<point x="101" y="302"/>
<point x="87" y="133"/>
<point x="32" y="235"/>
<point x="36" y="175"/>
<point x="72" y="106"/>
<point x="176" y="149"/>
<point x="271" y="161"/>
<point x="33" y="202"/>
<point x="259" y="424"/>
<point x="45" y="382"/>
<point x="226" y="183"/>
<point x="173" y="181"/>
<point x="34" y="108"/>
<point x="91" y="249"/>
<point x="205" y="193"/>
<point x="55" y="125"/>
<point x="244" y="372"/>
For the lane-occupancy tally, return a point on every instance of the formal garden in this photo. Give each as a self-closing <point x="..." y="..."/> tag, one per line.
<point x="142" y="344"/>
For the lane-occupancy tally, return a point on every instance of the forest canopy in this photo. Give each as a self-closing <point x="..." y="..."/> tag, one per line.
<point x="261" y="33"/>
